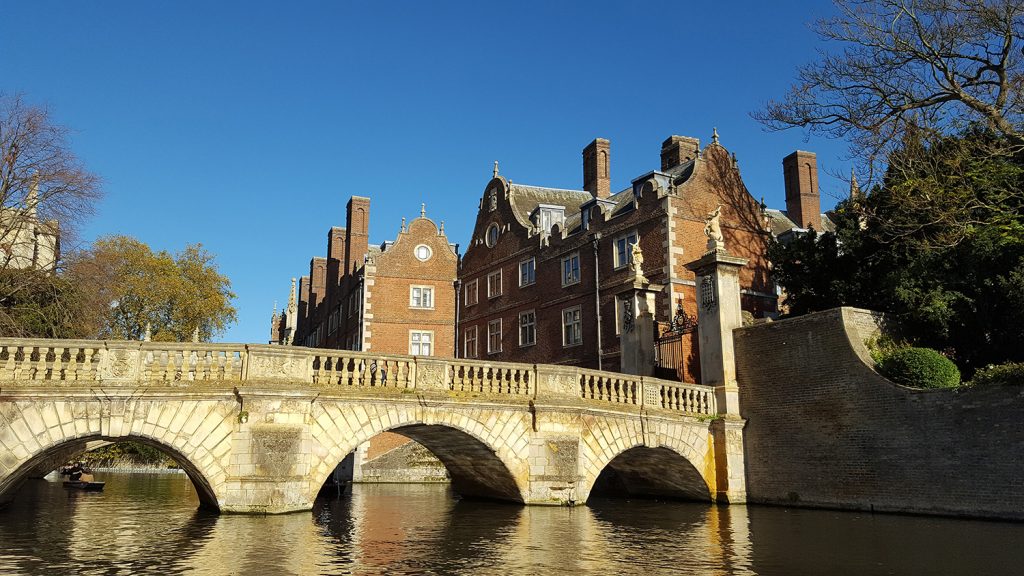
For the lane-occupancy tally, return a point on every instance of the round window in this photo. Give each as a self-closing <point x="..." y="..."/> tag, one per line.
<point x="423" y="252"/>
<point x="492" y="235"/>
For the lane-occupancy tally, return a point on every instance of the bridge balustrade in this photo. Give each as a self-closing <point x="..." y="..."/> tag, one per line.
<point x="491" y="378"/>
<point x="182" y="364"/>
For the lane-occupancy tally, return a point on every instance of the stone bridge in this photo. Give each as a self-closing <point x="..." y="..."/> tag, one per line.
<point x="259" y="429"/>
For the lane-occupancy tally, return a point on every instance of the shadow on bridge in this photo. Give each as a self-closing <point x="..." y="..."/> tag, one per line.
<point x="53" y="457"/>
<point x="643" y="472"/>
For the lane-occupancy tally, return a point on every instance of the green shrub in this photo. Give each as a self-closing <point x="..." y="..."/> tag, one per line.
<point x="920" y="368"/>
<point x="999" y="374"/>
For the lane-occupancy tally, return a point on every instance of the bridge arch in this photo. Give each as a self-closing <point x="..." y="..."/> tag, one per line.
<point x="670" y="459"/>
<point x="190" y="432"/>
<point x="483" y="460"/>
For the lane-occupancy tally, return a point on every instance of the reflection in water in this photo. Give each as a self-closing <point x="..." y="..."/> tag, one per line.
<point x="149" y="524"/>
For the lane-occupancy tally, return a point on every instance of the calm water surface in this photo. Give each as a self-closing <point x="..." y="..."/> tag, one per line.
<point x="150" y="524"/>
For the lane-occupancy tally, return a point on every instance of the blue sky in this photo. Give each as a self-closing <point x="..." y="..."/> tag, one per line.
<point x="247" y="125"/>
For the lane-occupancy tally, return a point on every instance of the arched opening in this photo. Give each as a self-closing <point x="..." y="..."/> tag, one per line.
<point x="643" y="472"/>
<point x="474" y="469"/>
<point x="52" y="458"/>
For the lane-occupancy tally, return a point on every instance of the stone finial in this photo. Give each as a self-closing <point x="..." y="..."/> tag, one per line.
<point x="441" y="231"/>
<point x="195" y="335"/>
<point x="149" y="329"/>
<point x="495" y="168"/>
<point x="713" y="230"/>
<point x="403" y="223"/>
<point x="423" y="210"/>
<point x="714" y="135"/>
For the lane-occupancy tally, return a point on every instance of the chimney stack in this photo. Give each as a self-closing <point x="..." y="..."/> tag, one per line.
<point x="803" y="204"/>
<point x="677" y="150"/>
<point x="596" y="178"/>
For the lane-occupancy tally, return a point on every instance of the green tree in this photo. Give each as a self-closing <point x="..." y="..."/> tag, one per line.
<point x="126" y="286"/>
<point x="953" y="283"/>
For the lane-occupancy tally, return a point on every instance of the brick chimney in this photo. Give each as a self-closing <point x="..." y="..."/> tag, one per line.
<point x="335" y="256"/>
<point x="803" y="204"/>
<point x="357" y="232"/>
<point x="678" y="150"/>
<point x="596" y="178"/>
<point x="318" y="280"/>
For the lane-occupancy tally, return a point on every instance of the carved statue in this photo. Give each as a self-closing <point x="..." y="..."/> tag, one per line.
<point x="713" y="230"/>
<point x="638" y="260"/>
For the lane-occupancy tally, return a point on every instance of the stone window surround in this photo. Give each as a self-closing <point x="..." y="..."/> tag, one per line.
<point x="467" y="340"/>
<point x="494" y="330"/>
<point x="572" y="326"/>
<point x="621" y="261"/>
<point x="425" y="297"/>
<point x="531" y="266"/>
<point x="423" y="252"/>
<point x="417" y="344"/>
<point x="528" y="328"/>
<point x="571" y="269"/>
<point x="491" y="235"/>
<point x="494" y="284"/>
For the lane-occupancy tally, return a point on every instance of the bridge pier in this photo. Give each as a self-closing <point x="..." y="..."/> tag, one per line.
<point x="718" y="314"/>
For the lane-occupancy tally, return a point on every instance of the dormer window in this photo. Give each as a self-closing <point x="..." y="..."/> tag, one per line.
<point x="547" y="215"/>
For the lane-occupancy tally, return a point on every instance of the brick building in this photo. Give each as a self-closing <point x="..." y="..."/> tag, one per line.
<point x="394" y="298"/>
<point x="352" y="298"/>
<point x="543" y="273"/>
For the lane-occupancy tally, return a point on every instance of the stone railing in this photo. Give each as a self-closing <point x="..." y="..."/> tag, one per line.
<point x="491" y="377"/>
<point x="119" y="363"/>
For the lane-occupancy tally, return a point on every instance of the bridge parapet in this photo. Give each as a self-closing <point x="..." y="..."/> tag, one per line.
<point x="258" y="428"/>
<point x="37" y="362"/>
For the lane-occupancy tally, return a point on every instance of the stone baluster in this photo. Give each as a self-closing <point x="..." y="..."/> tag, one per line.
<point x="72" y="366"/>
<point x="170" y="370"/>
<point x="40" y="368"/>
<point x="8" y="370"/>
<point x="57" y="370"/>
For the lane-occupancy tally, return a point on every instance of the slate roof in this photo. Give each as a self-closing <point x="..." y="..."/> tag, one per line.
<point x="781" y="222"/>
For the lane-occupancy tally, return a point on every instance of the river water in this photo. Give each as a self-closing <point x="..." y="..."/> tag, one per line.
<point x="151" y="524"/>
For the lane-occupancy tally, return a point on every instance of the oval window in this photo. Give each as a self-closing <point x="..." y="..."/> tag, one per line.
<point x="492" y="235"/>
<point x="423" y="252"/>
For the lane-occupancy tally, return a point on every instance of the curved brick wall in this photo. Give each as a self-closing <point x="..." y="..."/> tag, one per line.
<point x="824" y="429"/>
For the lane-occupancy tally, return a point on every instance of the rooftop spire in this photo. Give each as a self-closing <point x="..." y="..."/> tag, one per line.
<point x="495" y="168"/>
<point x="423" y="210"/>
<point x="854" y="187"/>
<point x="291" y="297"/>
<point x="714" y="135"/>
<point x="33" y="196"/>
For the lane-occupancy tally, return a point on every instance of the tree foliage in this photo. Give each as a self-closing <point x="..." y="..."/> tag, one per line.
<point x="126" y="286"/>
<point x="925" y="67"/>
<point x="953" y="284"/>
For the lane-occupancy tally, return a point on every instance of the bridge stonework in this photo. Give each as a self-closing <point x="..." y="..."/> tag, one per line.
<point x="259" y="429"/>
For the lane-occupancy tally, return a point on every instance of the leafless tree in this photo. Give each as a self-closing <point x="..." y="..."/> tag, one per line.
<point x="927" y="66"/>
<point x="45" y="192"/>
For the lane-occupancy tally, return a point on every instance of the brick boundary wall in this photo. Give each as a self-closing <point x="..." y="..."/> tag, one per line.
<point x="825" y="430"/>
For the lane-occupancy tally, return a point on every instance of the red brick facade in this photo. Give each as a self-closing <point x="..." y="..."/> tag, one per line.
<point x="396" y="298"/>
<point x="579" y="239"/>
